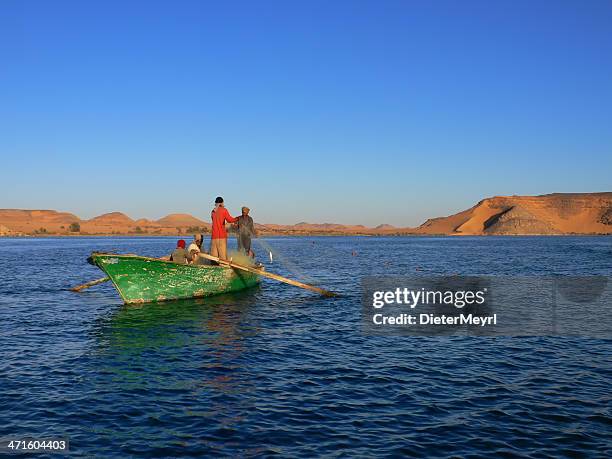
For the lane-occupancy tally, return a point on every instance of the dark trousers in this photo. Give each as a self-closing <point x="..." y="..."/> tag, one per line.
<point x="244" y="243"/>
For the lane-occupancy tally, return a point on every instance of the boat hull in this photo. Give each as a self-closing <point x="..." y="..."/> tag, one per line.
<point x="150" y="280"/>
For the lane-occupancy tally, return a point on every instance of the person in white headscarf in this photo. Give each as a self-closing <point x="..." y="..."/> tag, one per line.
<point x="195" y="248"/>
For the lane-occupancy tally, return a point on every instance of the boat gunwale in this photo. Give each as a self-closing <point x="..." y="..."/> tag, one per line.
<point x="160" y="261"/>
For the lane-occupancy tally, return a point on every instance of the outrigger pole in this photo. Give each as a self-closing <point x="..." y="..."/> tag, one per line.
<point x="78" y="288"/>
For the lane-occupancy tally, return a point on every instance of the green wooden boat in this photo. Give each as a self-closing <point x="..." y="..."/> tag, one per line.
<point x="150" y="280"/>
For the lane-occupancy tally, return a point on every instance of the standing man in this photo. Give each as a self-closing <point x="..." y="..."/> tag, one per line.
<point x="246" y="229"/>
<point x="218" y="239"/>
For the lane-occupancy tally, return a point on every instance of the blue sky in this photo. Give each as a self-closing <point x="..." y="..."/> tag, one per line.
<point x="360" y="112"/>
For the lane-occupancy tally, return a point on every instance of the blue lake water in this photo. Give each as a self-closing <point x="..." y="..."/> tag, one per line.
<point x="276" y="370"/>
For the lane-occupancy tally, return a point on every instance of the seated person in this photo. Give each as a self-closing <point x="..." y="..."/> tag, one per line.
<point x="195" y="248"/>
<point x="180" y="255"/>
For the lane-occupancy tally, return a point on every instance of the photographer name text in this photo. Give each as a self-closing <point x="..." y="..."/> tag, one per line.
<point x="430" y="319"/>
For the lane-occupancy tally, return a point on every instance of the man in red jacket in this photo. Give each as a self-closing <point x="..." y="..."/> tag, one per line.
<point x="218" y="239"/>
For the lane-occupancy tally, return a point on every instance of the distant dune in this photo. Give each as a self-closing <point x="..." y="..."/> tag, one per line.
<point x="558" y="213"/>
<point x="107" y="223"/>
<point x="180" y="220"/>
<point x="31" y="221"/>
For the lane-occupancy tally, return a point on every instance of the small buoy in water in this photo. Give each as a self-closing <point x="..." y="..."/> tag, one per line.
<point x="271" y="259"/>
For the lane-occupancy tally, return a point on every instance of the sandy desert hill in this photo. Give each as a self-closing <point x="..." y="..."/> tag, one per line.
<point x="181" y="220"/>
<point x="107" y="223"/>
<point x="558" y="213"/>
<point x="31" y="221"/>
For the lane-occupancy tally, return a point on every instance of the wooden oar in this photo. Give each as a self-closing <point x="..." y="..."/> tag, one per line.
<point x="78" y="288"/>
<point x="261" y="272"/>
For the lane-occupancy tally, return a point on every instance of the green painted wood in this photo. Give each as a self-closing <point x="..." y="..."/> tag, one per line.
<point x="149" y="280"/>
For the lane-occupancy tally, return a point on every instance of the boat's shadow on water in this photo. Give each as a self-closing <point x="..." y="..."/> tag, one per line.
<point x="220" y="320"/>
<point x="162" y="322"/>
<point x="175" y="342"/>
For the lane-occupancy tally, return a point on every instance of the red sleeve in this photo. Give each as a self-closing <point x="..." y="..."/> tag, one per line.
<point x="229" y="218"/>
